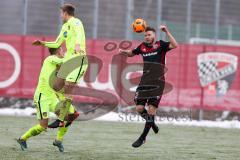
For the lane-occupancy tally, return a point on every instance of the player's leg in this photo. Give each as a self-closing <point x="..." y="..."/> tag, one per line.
<point x="68" y="91"/>
<point x="60" y="134"/>
<point x="58" y="84"/>
<point x="35" y="130"/>
<point x="62" y="130"/>
<point x="73" y="78"/>
<point x="42" y="107"/>
<point x="145" y="115"/>
<point x="148" y="116"/>
<point x="148" y="125"/>
<point x="153" y="105"/>
<point x="62" y="112"/>
<point x="140" y="104"/>
<point x="140" y="108"/>
<point x="79" y="66"/>
<point x="71" y="116"/>
<point x="141" y="140"/>
<point x="71" y="81"/>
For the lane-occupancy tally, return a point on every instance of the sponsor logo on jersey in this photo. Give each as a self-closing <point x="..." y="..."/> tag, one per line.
<point x="44" y="114"/>
<point x="149" y="54"/>
<point x="65" y="34"/>
<point x="77" y="23"/>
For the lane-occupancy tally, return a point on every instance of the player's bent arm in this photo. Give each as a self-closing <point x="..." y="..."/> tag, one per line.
<point x="128" y="53"/>
<point x="80" y="40"/>
<point x="173" y="43"/>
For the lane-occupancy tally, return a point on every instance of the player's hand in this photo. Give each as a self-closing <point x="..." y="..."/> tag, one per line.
<point x="38" y="43"/>
<point x="81" y="52"/>
<point x="164" y="28"/>
<point x="78" y="49"/>
<point x="127" y="53"/>
<point x="122" y="52"/>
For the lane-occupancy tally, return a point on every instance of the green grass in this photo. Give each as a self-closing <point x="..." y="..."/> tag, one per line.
<point x="111" y="140"/>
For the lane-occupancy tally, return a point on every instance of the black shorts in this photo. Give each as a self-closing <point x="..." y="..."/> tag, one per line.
<point x="149" y="100"/>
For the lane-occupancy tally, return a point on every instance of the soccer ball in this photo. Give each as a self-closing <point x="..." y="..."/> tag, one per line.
<point x="139" y="25"/>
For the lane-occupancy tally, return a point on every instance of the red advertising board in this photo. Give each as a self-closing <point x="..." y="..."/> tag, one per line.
<point x="202" y="76"/>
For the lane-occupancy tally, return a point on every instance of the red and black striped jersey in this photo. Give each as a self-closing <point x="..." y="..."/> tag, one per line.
<point x="153" y="53"/>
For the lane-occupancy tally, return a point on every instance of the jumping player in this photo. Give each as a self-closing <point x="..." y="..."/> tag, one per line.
<point x="75" y="61"/>
<point x="153" y="52"/>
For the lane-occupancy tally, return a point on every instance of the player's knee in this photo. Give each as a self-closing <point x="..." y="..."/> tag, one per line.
<point x="69" y="88"/>
<point x="44" y="125"/>
<point x="152" y="110"/>
<point x="139" y="109"/>
<point x="58" y="84"/>
<point x="57" y="112"/>
<point x="57" y="87"/>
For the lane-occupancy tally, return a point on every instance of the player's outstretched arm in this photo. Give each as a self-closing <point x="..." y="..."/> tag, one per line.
<point x="55" y="44"/>
<point x="38" y="43"/>
<point x="126" y="52"/>
<point x="172" y="40"/>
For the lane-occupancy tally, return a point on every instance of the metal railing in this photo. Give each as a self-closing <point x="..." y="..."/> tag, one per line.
<point x="111" y="19"/>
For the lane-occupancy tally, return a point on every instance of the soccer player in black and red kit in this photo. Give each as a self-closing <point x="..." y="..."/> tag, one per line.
<point x="153" y="53"/>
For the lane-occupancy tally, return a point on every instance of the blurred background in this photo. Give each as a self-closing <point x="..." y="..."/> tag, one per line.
<point x="199" y="26"/>
<point x="215" y="19"/>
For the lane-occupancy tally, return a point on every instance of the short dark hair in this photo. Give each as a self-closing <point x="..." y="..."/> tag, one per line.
<point x="52" y="51"/>
<point x="69" y="8"/>
<point x="150" y="29"/>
